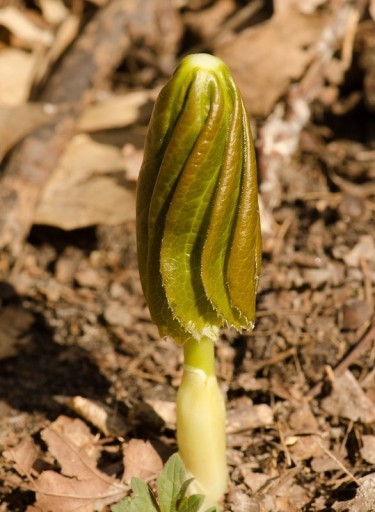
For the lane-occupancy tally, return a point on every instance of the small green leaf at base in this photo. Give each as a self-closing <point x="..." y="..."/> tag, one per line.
<point x="172" y="487"/>
<point x="170" y="482"/>
<point x="191" y="504"/>
<point x="143" y="501"/>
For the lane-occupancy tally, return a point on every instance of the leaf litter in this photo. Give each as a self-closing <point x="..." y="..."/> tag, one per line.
<point x="76" y="338"/>
<point x="80" y="485"/>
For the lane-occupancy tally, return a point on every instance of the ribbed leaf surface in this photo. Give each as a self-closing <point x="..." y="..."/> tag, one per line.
<point x="198" y="231"/>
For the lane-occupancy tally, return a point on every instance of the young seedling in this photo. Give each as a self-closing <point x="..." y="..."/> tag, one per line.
<point x="171" y="493"/>
<point x="199" y="244"/>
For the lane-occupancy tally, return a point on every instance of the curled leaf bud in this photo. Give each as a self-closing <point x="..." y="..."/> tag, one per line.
<point x="198" y="230"/>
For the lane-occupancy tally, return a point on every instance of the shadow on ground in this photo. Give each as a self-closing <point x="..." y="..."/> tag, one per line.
<point x="40" y="369"/>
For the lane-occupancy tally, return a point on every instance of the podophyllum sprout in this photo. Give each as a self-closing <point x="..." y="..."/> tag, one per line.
<point x="199" y="243"/>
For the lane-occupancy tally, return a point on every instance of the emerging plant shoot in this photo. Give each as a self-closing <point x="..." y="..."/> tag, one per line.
<point x="199" y="244"/>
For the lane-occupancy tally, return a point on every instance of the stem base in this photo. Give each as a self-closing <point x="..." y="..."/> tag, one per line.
<point x="201" y="433"/>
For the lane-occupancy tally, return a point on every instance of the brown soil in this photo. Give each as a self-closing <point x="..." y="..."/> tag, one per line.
<point x="73" y="311"/>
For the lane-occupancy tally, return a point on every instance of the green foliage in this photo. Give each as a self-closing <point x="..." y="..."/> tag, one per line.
<point x="171" y="486"/>
<point x="198" y="224"/>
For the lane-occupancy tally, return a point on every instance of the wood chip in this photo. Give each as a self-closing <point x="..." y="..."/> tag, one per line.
<point x="368" y="449"/>
<point x="355" y="314"/>
<point x="165" y="410"/>
<point x="305" y="447"/>
<point x="241" y="502"/>
<point x="105" y="419"/>
<point x="363" y="250"/>
<point x="254" y="481"/>
<point x="116" y="314"/>
<point x="348" y="400"/>
<point x="15" y="324"/>
<point x="302" y="419"/>
<point x="246" y="416"/>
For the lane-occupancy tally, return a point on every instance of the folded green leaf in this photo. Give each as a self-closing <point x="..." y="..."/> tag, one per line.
<point x="143" y="501"/>
<point x="198" y="225"/>
<point x="170" y="484"/>
<point x="192" y="503"/>
<point x="180" y="500"/>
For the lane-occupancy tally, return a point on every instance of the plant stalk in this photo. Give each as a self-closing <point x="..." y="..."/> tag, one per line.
<point x="201" y="422"/>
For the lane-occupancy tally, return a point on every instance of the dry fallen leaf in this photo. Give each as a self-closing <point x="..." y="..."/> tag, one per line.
<point x="23" y="455"/>
<point x="81" y="485"/>
<point x="141" y="460"/>
<point x="87" y="188"/>
<point x="372" y="9"/>
<point x="208" y="23"/>
<point x="311" y="5"/>
<point x="17" y="122"/>
<point x="16" y="71"/>
<point x="363" y="250"/>
<point x="54" y="11"/>
<point x="161" y="21"/>
<point x="133" y="161"/>
<point x="116" y="112"/>
<point x="20" y="25"/>
<point x="72" y="444"/>
<point x="57" y="493"/>
<point x="254" y="481"/>
<point x="65" y="35"/>
<point x="279" y="53"/>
